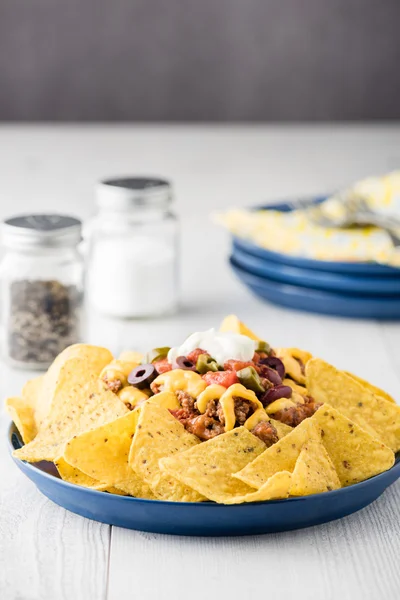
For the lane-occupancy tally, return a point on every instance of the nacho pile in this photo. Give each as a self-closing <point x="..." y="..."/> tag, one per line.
<point x="224" y="418"/>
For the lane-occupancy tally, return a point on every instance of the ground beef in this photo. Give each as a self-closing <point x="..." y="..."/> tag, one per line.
<point x="187" y="402"/>
<point x="294" y="415"/>
<point x="243" y="409"/>
<point x="266" y="432"/>
<point x="155" y="388"/>
<point x="114" y="384"/>
<point x="204" y="427"/>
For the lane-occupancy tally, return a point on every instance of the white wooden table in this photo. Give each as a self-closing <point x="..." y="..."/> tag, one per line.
<point x="47" y="553"/>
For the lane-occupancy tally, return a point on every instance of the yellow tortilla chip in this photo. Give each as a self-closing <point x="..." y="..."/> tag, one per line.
<point x="275" y="488"/>
<point x="73" y="475"/>
<point x="372" y="388"/>
<point x="23" y="416"/>
<point x="208" y="467"/>
<point x="377" y="416"/>
<point x="102" y="453"/>
<point x="282" y="456"/>
<point x="81" y="402"/>
<point x="165" y="399"/>
<point x="22" y="410"/>
<point x="355" y="454"/>
<point x="159" y="434"/>
<point x="94" y="357"/>
<point x="232" y="324"/>
<point x="314" y="471"/>
<point x="130" y="356"/>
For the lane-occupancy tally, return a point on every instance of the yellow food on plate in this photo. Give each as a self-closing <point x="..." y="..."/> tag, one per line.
<point x="276" y="487"/>
<point x="160" y="435"/>
<point x="372" y="388"/>
<point x="73" y="475"/>
<point x="355" y="454"/>
<point x="379" y="417"/>
<point x="23" y="416"/>
<point x="93" y="357"/>
<point x="281" y="456"/>
<point x="314" y="471"/>
<point x="208" y="467"/>
<point x="231" y="323"/>
<point x="81" y="402"/>
<point x="223" y="417"/>
<point x="103" y="455"/>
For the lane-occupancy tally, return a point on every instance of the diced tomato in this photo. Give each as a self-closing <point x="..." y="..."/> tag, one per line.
<point x="163" y="366"/>
<point x="225" y="378"/>
<point x="237" y="365"/>
<point x="194" y="355"/>
<point x="259" y="356"/>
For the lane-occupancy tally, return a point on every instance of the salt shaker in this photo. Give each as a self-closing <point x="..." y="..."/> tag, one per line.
<point x="41" y="277"/>
<point x="132" y="250"/>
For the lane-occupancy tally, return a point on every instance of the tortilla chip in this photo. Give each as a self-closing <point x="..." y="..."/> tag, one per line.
<point x="130" y="356"/>
<point x="372" y="388"/>
<point x="73" y="475"/>
<point x="23" y="416"/>
<point x="81" y="402"/>
<point x="276" y="488"/>
<point x="232" y="324"/>
<point x="208" y="467"/>
<point x="165" y="399"/>
<point x="282" y="456"/>
<point x="22" y="410"/>
<point x="355" y="454"/>
<point x="95" y="358"/>
<point x="314" y="471"/>
<point x="103" y="454"/>
<point x="159" y="435"/>
<point x="116" y="491"/>
<point x="379" y="417"/>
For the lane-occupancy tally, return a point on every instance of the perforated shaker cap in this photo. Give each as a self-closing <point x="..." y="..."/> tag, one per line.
<point x="125" y="193"/>
<point x="41" y="230"/>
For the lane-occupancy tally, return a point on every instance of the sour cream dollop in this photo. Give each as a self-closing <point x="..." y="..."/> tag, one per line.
<point x="221" y="346"/>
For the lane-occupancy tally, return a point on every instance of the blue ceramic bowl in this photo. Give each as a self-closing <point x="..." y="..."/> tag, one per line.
<point x="204" y="518"/>
<point x="319" y="301"/>
<point x="320" y="280"/>
<point x="354" y="268"/>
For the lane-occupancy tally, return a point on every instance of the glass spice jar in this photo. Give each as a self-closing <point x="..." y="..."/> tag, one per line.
<point x="133" y="249"/>
<point x="41" y="276"/>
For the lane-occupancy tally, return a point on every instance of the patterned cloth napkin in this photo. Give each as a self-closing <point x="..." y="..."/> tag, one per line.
<point x="293" y="233"/>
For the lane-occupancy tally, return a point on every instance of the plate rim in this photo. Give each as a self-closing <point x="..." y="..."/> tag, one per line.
<point x="318" y="294"/>
<point x="13" y="430"/>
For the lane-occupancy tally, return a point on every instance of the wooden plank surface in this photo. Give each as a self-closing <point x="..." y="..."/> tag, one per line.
<point x="47" y="553"/>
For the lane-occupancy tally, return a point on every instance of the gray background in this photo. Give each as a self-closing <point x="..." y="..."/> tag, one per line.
<point x="206" y="60"/>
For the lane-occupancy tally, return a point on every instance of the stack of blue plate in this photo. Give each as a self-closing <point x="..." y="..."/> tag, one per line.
<point x="363" y="290"/>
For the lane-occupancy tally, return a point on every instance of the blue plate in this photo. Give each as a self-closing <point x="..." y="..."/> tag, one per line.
<point x="204" y="518"/>
<point x="319" y="301"/>
<point x="361" y="268"/>
<point x="356" y="284"/>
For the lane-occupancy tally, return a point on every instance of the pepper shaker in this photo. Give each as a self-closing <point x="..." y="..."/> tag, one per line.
<point x="41" y="288"/>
